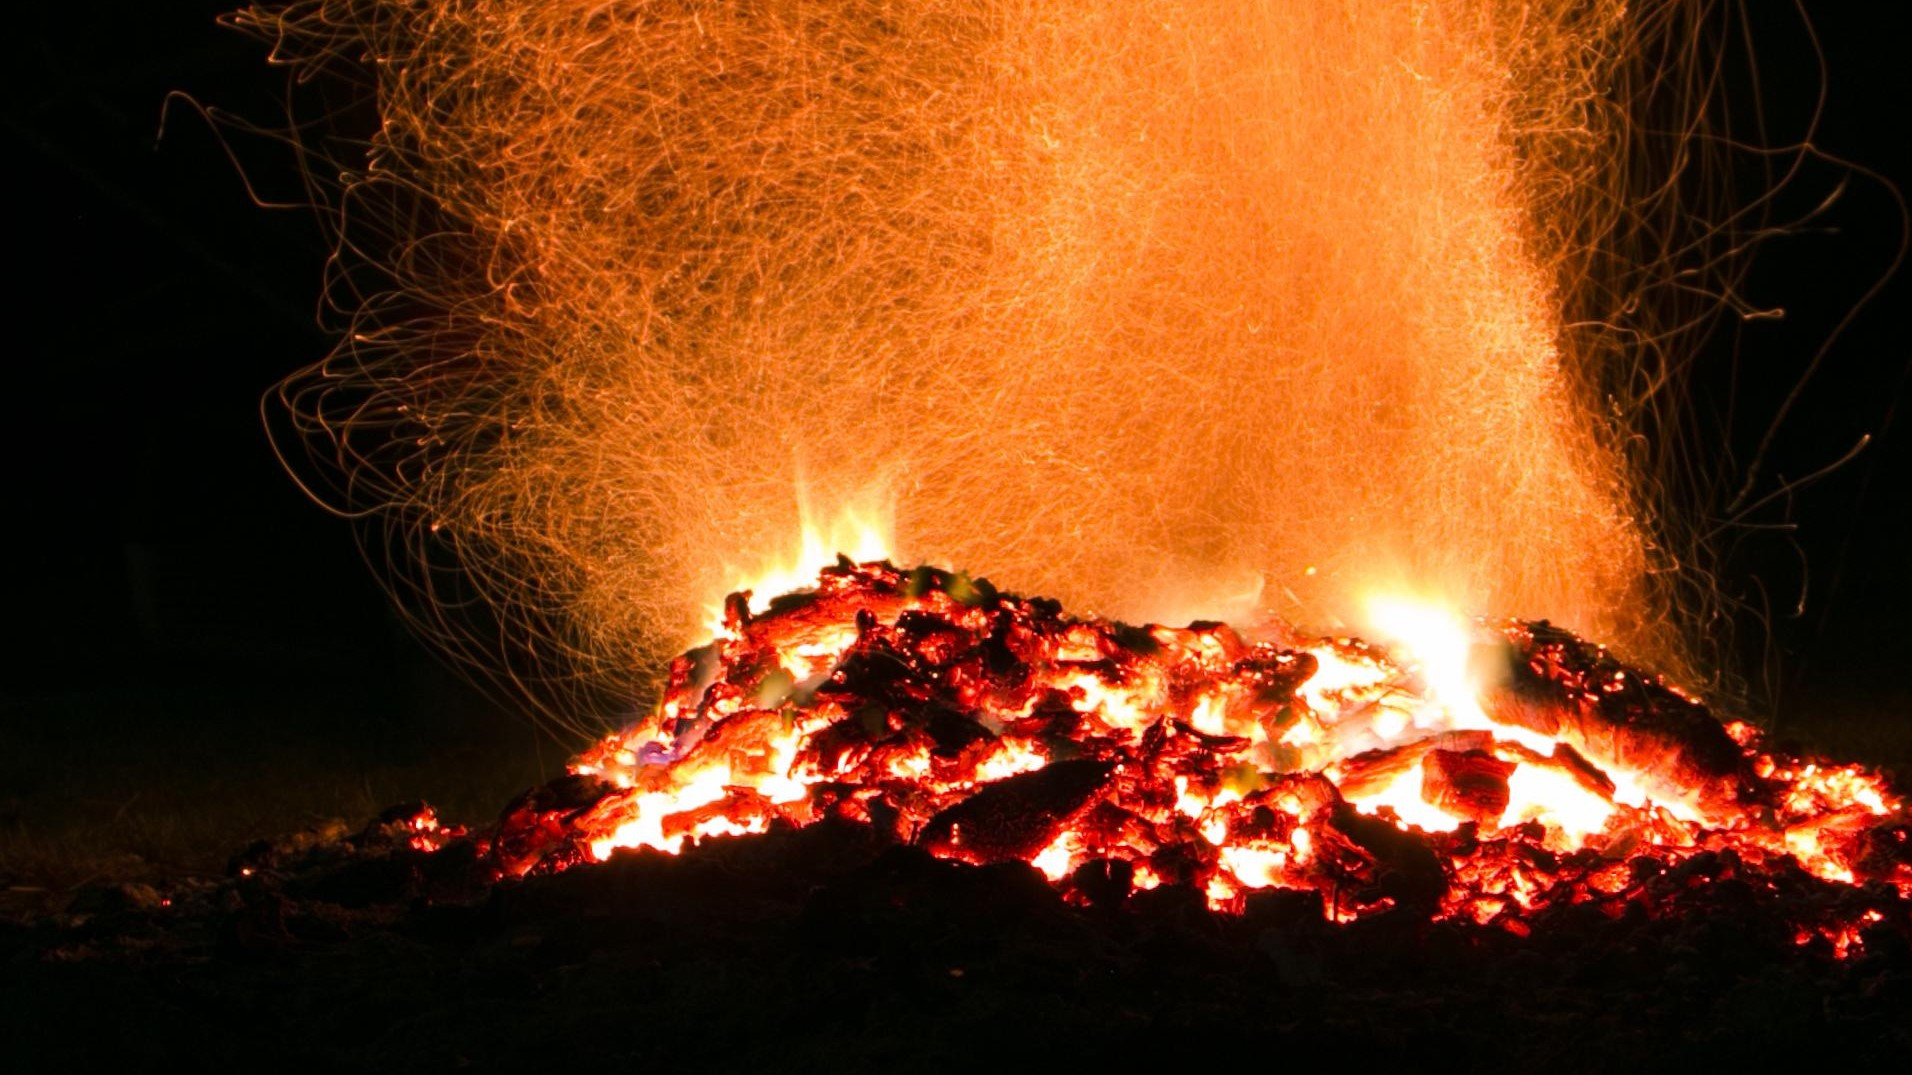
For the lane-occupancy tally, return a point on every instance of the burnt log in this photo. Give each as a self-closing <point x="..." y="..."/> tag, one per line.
<point x="539" y="823"/>
<point x="1468" y="784"/>
<point x="1404" y="866"/>
<point x="1371" y="771"/>
<point x="1017" y="817"/>
<point x="1104" y="882"/>
<point x="1560" y="685"/>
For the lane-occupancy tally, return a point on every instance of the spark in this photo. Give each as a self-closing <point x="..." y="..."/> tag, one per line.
<point x="1156" y="306"/>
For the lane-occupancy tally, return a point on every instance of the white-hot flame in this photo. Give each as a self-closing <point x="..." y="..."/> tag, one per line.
<point x="1439" y="643"/>
<point x="860" y="534"/>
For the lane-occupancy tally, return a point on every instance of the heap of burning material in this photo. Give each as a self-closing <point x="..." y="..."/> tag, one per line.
<point x="984" y="727"/>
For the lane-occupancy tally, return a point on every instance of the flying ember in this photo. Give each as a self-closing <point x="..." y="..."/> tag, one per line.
<point x="1482" y="771"/>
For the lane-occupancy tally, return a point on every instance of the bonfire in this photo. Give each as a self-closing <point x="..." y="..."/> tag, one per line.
<point x="1482" y="772"/>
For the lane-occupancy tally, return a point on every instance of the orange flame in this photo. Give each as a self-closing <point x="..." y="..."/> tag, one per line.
<point x="855" y="532"/>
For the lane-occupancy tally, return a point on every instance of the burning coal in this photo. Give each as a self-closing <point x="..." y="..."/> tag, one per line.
<point x="1486" y="772"/>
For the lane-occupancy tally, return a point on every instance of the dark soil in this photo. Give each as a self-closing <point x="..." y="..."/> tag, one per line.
<point x="825" y="949"/>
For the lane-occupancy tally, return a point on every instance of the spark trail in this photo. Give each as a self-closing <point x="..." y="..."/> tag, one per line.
<point x="1163" y="307"/>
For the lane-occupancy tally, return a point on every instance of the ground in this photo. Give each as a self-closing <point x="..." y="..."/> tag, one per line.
<point x="796" y="951"/>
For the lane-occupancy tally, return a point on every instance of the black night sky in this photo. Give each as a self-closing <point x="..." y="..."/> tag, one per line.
<point x="160" y="552"/>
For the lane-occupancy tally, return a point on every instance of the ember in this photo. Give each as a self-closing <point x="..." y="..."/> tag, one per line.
<point x="985" y="727"/>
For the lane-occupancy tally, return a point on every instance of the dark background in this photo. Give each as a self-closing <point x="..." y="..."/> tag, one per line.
<point x="180" y="612"/>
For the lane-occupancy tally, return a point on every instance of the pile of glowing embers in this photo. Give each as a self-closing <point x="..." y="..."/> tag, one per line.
<point x="985" y="727"/>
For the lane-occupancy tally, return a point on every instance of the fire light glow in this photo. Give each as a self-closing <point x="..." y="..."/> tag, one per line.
<point x="1149" y="305"/>
<point x="1161" y="307"/>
